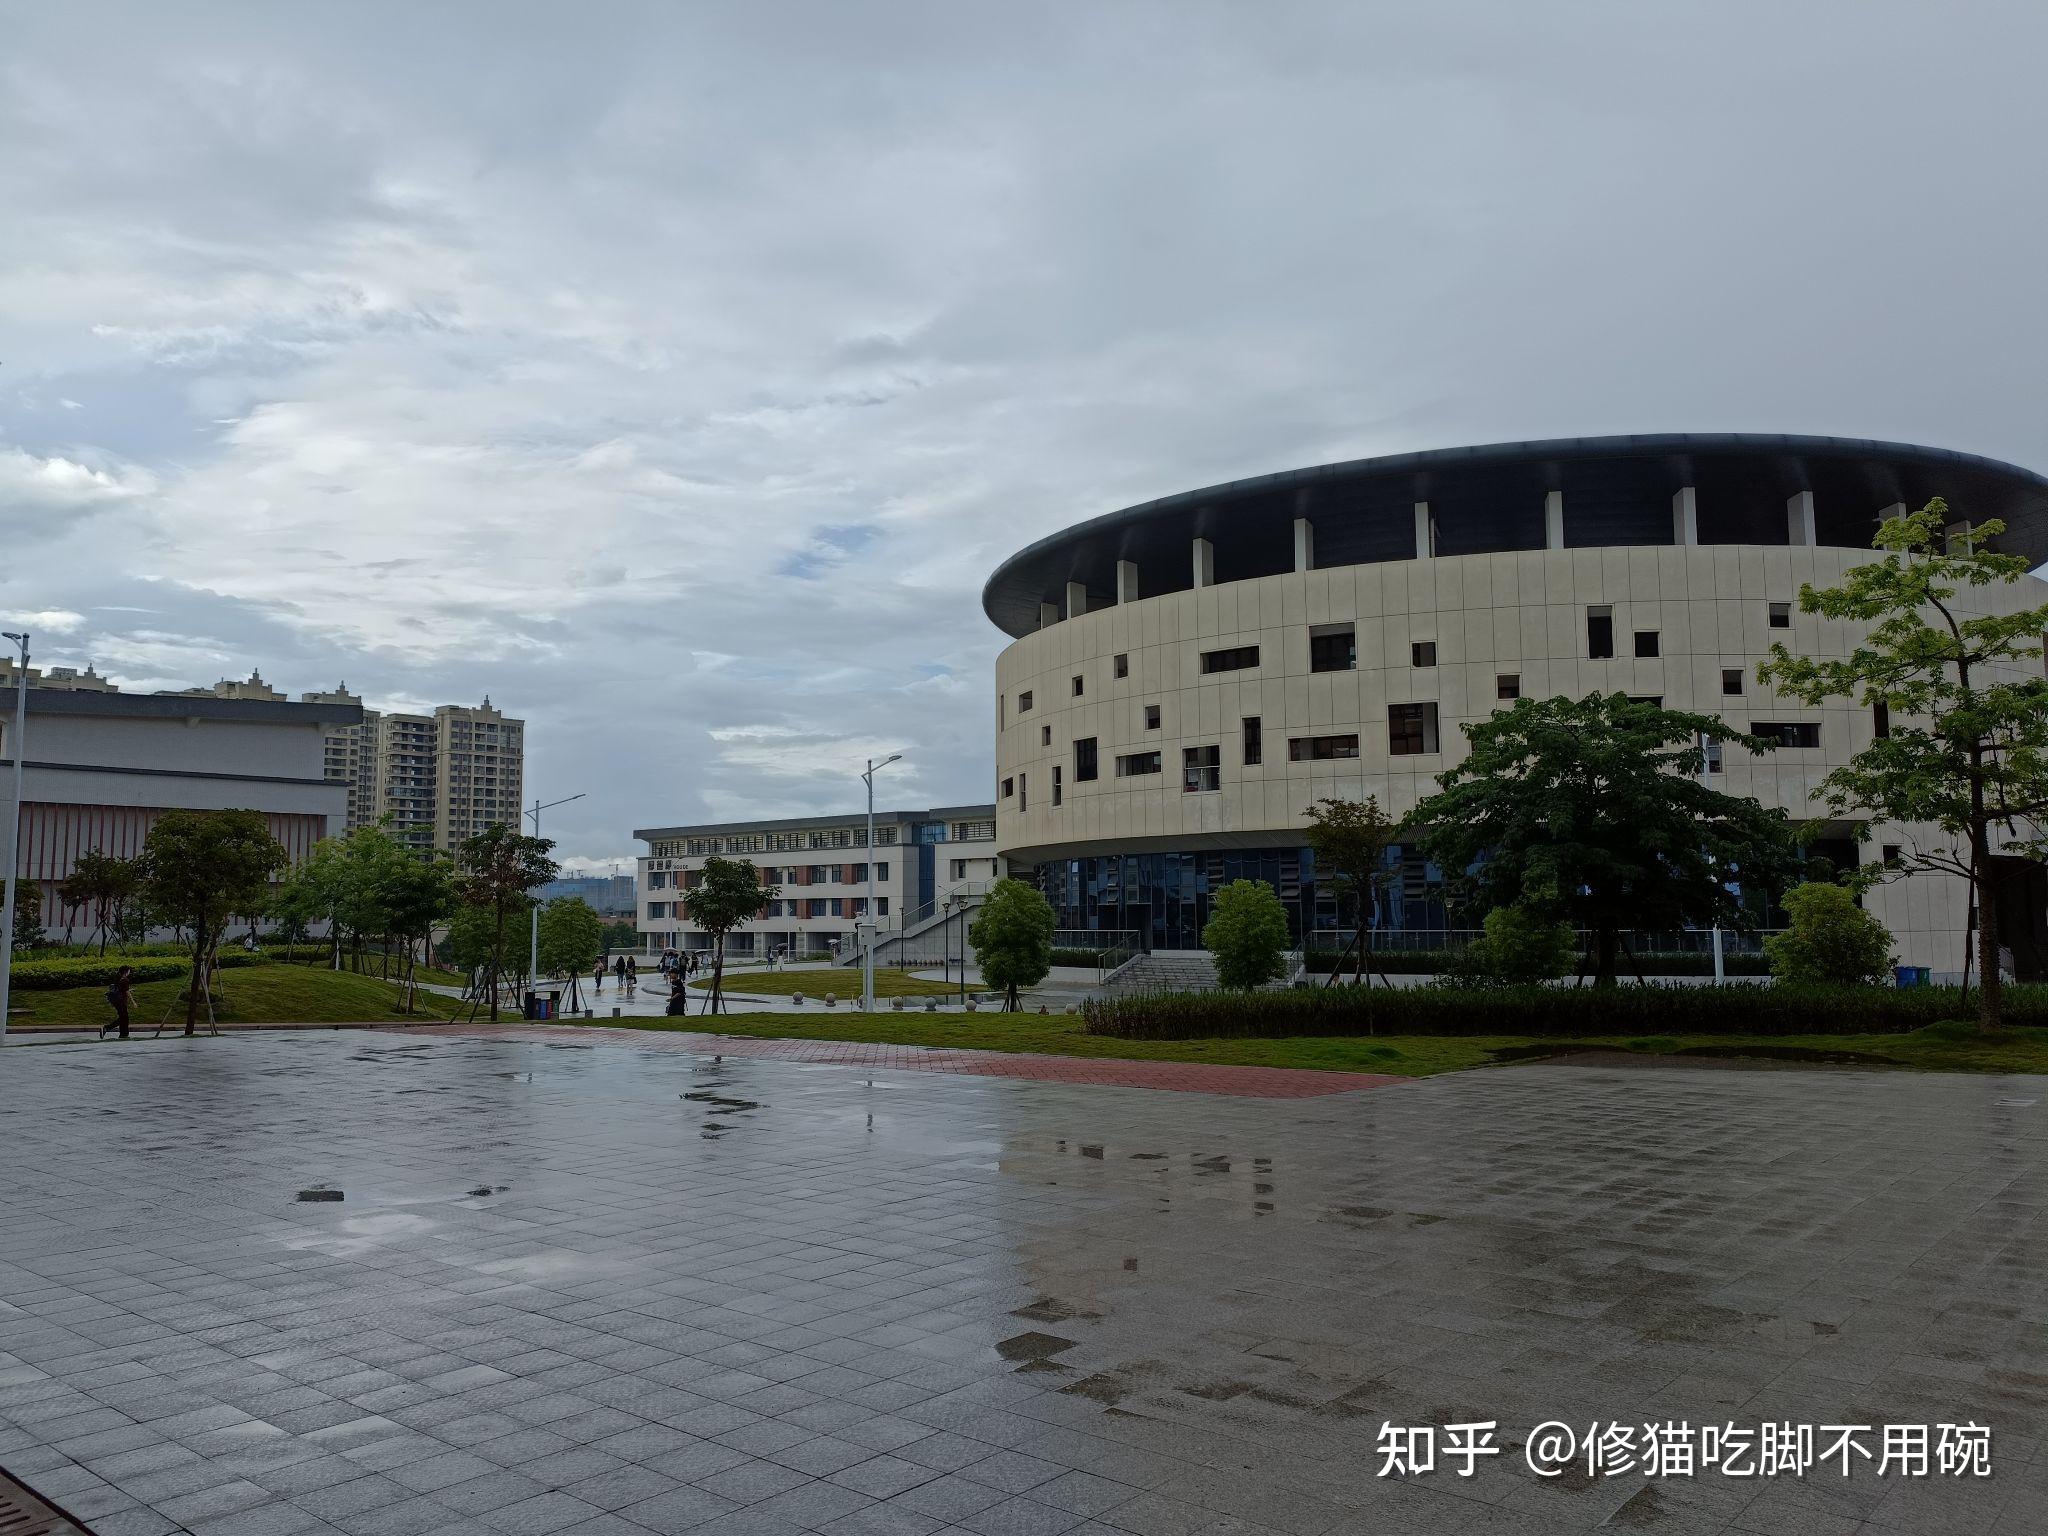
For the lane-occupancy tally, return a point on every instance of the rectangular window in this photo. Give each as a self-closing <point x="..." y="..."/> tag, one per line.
<point x="1422" y="654"/>
<point x="1122" y="666"/>
<point x="1646" y="643"/>
<point x="1151" y="717"/>
<point x="1786" y="735"/>
<point x="1045" y="735"/>
<point x="881" y="906"/>
<point x="882" y="871"/>
<point x="1254" y="741"/>
<point x="1710" y="752"/>
<point x="1023" y="791"/>
<point x="1781" y="615"/>
<point x="820" y="873"/>
<point x="1881" y="718"/>
<point x="1321" y="749"/>
<point x="1201" y="768"/>
<point x="1084" y="759"/>
<point x="1024" y="702"/>
<point x="1057" y="787"/>
<point x="959" y="870"/>
<point x="1507" y="685"/>
<point x="1731" y="681"/>
<point x="1599" y="634"/>
<point x="1333" y="648"/>
<point x="1411" y="729"/>
<point x="1132" y="764"/>
<point x="1077" y="687"/>
<point x="1236" y="659"/>
<point x="1009" y="788"/>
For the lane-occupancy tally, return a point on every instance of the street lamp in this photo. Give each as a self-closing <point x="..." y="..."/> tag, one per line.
<point x="17" y="745"/>
<point x="867" y="951"/>
<point x="533" y="957"/>
<point x="1706" y="777"/>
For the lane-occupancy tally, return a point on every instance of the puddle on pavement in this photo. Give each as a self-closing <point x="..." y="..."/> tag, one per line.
<point x="1033" y="1346"/>
<point x="1050" y="1309"/>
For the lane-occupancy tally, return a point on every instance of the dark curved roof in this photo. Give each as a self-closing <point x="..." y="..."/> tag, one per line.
<point x="1617" y="490"/>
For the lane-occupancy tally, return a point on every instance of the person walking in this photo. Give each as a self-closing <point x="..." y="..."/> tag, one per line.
<point x="619" y="972"/>
<point x="632" y="976"/>
<point x="597" y="978"/>
<point x="120" y="993"/>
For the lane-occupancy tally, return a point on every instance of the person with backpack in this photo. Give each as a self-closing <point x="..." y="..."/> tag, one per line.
<point x="120" y="994"/>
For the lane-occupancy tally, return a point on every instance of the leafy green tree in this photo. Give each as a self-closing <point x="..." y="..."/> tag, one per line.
<point x="728" y="892"/>
<point x="571" y="939"/>
<point x="467" y="944"/>
<point x="28" y="916"/>
<point x="1247" y="933"/>
<point x="1012" y="938"/>
<point x="102" y="885"/>
<point x="1592" y="809"/>
<point x="294" y="908"/>
<point x="417" y="892"/>
<point x="1521" y="945"/>
<point x="1967" y="747"/>
<point x="1831" y="940"/>
<point x="1350" y="839"/>
<point x="621" y="935"/>
<point x="199" y="868"/>
<point x="500" y="868"/>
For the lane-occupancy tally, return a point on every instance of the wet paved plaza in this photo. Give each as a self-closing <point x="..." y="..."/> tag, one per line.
<point x="593" y="1288"/>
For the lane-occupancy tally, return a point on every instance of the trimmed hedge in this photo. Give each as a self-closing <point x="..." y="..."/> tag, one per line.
<point x="78" y="971"/>
<point x="1430" y="962"/>
<point x="1079" y="956"/>
<point x="1554" y="1010"/>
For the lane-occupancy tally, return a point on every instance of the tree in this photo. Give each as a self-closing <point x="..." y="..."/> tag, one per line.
<point x="418" y="891"/>
<point x="620" y="935"/>
<point x="294" y="908"/>
<point x="28" y="915"/>
<point x="1247" y="933"/>
<point x="571" y="939"/>
<point x="1591" y="810"/>
<point x="1012" y="938"/>
<point x="1967" y="747"/>
<point x="728" y="892"/>
<point x="1831" y="940"/>
<point x="104" y="886"/>
<point x="199" y="868"/>
<point x="500" y="867"/>
<point x="1350" y="839"/>
<point x="1521" y="945"/>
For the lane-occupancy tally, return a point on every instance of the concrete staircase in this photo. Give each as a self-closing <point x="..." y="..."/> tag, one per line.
<point x="1185" y="970"/>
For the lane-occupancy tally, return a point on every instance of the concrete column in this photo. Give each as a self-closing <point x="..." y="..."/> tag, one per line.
<point x="1205" y="563"/>
<point x="1799" y="518"/>
<point x="1048" y="615"/>
<point x="1553" y="519"/>
<point x="1304" y="544"/>
<point x="1127" y="581"/>
<point x="1425" y="532"/>
<point x="1077" y="599"/>
<point x="1685" y="516"/>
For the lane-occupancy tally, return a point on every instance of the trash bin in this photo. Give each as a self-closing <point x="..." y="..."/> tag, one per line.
<point x="542" y="1005"/>
<point x="1912" y="975"/>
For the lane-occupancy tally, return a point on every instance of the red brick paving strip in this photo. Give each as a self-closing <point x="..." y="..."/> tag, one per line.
<point x="1181" y="1076"/>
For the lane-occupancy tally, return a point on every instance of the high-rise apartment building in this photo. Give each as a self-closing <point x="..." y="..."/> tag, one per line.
<point x="405" y="777"/>
<point x="479" y="761"/>
<point x="350" y="756"/>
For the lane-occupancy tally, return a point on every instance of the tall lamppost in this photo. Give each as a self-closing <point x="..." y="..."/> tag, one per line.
<point x="533" y="957"/>
<point x="867" y="951"/>
<point x="1706" y="777"/>
<point x="17" y="745"/>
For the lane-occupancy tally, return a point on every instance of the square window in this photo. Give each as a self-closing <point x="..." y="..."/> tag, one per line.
<point x="1893" y="852"/>
<point x="1077" y="687"/>
<point x="1507" y="685"/>
<point x="1333" y="648"/>
<point x="1123" y="664"/>
<point x="1731" y="681"/>
<point x="1024" y="702"/>
<point x="1151" y="717"/>
<point x="1411" y="729"/>
<point x="1781" y="615"/>
<point x="1422" y="653"/>
<point x="1646" y="642"/>
<point x="1201" y="769"/>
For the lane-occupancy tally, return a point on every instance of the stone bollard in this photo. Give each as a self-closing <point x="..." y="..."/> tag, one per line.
<point x="831" y="1000"/>
<point x="896" y="1003"/>
<point x="615" y="1012"/>
<point x="797" y="998"/>
<point x="972" y="1005"/>
<point x="931" y="1005"/>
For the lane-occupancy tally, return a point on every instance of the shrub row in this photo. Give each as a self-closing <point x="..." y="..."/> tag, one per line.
<point x="1549" y="1011"/>
<point x="1431" y="962"/>
<point x="1078" y="956"/>
<point x="80" y="971"/>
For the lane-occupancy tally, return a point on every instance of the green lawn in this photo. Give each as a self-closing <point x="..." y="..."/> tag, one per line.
<point x="1942" y="1048"/>
<point x="255" y="994"/>
<point x="841" y="982"/>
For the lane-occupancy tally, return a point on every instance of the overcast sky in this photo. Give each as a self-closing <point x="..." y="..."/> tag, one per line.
<point x="675" y="374"/>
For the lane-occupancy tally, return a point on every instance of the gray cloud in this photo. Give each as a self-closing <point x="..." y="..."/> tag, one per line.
<point x="676" y="374"/>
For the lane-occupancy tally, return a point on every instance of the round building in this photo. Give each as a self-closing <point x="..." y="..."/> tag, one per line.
<point x="1189" y="675"/>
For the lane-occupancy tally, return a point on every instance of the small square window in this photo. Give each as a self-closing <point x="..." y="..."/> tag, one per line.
<point x="1646" y="642"/>
<point x="1422" y="654"/>
<point x="1507" y="685"/>
<point x="1122" y="667"/>
<point x="1151" y="717"/>
<point x="1077" y="687"/>
<point x="1893" y="852"/>
<point x="1333" y="648"/>
<point x="1781" y="615"/>
<point x="1731" y="681"/>
<point x="1024" y="702"/>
